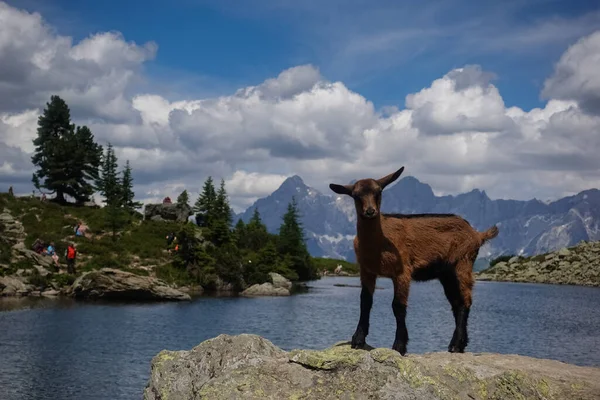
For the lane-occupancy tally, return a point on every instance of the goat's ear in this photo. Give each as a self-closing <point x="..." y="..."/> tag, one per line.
<point x="341" y="189"/>
<point x="386" y="180"/>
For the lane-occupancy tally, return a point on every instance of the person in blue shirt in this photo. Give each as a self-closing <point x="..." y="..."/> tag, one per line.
<point x="51" y="251"/>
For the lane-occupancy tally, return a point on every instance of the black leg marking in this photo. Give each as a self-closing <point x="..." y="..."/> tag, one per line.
<point x="460" y="338"/>
<point x="401" y="332"/>
<point x="362" y="330"/>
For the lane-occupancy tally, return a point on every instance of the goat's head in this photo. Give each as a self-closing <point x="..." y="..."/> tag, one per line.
<point x="367" y="193"/>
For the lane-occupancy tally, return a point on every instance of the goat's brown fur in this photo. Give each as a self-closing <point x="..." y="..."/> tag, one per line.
<point x="412" y="247"/>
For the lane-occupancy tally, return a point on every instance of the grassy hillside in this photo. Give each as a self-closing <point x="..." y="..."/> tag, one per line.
<point x="139" y="244"/>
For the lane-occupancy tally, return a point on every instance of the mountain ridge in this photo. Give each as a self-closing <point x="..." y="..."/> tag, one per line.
<point x="527" y="227"/>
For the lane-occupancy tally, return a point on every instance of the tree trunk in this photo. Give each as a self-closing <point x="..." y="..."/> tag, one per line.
<point x="60" y="197"/>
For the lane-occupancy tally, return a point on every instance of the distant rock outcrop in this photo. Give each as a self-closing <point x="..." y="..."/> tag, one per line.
<point x="167" y="212"/>
<point x="280" y="286"/>
<point x="114" y="284"/>
<point x="251" y="367"/>
<point x="579" y="265"/>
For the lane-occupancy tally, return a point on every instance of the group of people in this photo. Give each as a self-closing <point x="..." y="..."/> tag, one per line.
<point x="50" y="250"/>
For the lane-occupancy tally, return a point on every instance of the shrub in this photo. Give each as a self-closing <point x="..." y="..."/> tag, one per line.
<point x="172" y="275"/>
<point x="499" y="259"/>
<point x="64" y="279"/>
<point x="330" y="264"/>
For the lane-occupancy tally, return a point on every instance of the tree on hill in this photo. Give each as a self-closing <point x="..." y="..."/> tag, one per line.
<point x="256" y="236"/>
<point x="220" y="221"/>
<point x="66" y="157"/>
<point x="127" y="194"/>
<point x="292" y="244"/>
<point x="108" y="183"/>
<point x="205" y="205"/>
<point x="110" y="186"/>
<point x="183" y="198"/>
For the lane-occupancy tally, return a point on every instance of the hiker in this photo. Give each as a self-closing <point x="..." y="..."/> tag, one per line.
<point x="51" y="251"/>
<point x="10" y="192"/>
<point x="70" y="255"/>
<point x="79" y="229"/>
<point x="167" y="200"/>
<point x="43" y="197"/>
<point x="38" y="246"/>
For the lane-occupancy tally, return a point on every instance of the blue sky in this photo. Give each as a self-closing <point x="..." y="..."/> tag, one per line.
<point x="381" y="49"/>
<point x="502" y="96"/>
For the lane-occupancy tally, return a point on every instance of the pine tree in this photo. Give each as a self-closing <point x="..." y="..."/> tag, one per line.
<point x="221" y="221"/>
<point x="291" y="242"/>
<point x="256" y="236"/>
<point x="66" y="157"/>
<point x="109" y="184"/>
<point x="183" y="198"/>
<point x="127" y="194"/>
<point x="205" y="205"/>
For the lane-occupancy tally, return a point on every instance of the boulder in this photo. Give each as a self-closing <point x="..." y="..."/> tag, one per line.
<point x="13" y="286"/>
<point x="167" y="212"/>
<point x="38" y="259"/>
<point x="280" y="281"/>
<point x="265" y="289"/>
<point x="251" y="367"/>
<point x="114" y="284"/>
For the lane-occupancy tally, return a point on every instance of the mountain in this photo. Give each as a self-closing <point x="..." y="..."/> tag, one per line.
<point x="526" y="227"/>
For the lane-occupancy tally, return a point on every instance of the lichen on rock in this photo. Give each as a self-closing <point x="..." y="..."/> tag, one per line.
<point x="251" y="367"/>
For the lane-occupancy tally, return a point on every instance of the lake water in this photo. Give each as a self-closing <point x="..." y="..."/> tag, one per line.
<point x="61" y="349"/>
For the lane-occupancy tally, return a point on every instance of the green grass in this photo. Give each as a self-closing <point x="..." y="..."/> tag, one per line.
<point x="330" y="264"/>
<point x="173" y="275"/>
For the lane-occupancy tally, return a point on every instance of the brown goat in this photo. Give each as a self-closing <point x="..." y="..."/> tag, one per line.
<point x="416" y="247"/>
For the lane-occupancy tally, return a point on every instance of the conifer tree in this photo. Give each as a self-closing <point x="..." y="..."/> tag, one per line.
<point x="205" y="205"/>
<point x="66" y="157"/>
<point x="221" y="221"/>
<point x="291" y="242"/>
<point x="257" y="236"/>
<point x="127" y="190"/>
<point x="183" y="198"/>
<point x="109" y="184"/>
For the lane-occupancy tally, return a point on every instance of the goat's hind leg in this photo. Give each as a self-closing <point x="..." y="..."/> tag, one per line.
<point x="458" y="288"/>
<point x="366" y="303"/>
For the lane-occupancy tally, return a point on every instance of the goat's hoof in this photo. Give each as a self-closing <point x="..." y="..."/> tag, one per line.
<point x="358" y="341"/>
<point x="399" y="347"/>
<point x="455" y="349"/>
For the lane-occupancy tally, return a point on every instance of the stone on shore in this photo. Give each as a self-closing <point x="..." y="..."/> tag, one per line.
<point x="280" y="286"/>
<point x="114" y="284"/>
<point x="251" y="367"/>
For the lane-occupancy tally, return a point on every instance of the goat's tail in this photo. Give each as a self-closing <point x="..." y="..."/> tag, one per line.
<point x="489" y="234"/>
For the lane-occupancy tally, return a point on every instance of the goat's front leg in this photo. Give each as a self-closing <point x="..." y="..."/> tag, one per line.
<point x="366" y="302"/>
<point x="401" y="287"/>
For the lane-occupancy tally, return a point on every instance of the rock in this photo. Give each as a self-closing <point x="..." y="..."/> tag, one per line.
<point x="250" y="367"/>
<point x="279" y="281"/>
<point x="38" y="259"/>
<point x="43" y="271"/>
<point x="113" y="284"/>
<point x="578" y="265"/>
<point x="50" y="293"/>
<point x="168" y="212"/>
<point x="12" y="286"/>
<point x="564" y="252"/>
<point x="265" y="289"/>
<point x="513" y="260"/>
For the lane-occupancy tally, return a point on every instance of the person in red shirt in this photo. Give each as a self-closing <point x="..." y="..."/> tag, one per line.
<point x="71" y="256"/>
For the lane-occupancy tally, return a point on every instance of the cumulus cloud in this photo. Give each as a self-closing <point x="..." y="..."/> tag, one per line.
<point x="577" y="75"/>
<point x="456" y="134"/>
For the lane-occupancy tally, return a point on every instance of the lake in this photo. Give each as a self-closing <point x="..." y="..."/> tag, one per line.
<point x="61" y="349"/>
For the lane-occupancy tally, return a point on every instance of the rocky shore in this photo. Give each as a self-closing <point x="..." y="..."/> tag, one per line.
<point x="251" y="367"/>
<point x="578" y="265"/>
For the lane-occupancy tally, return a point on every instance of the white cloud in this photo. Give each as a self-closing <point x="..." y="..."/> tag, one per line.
<point x="577" y="75"/>
<point x="456" y="134"/>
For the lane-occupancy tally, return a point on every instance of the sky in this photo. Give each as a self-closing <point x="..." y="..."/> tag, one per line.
<point x="499" y="96"/>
